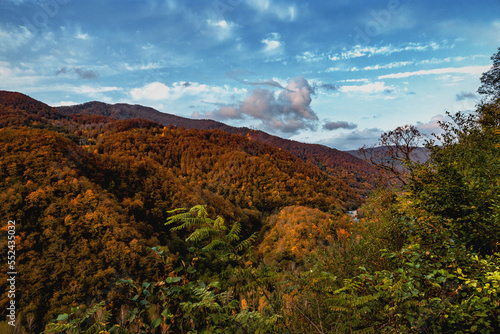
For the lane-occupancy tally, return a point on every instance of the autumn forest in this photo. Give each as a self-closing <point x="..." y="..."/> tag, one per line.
<point x="128" y="220"/>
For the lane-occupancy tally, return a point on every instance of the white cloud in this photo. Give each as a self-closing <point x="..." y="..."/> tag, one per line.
<point x="368" y="88"/>
<point x="283" y="11"/>
<point x="64" y="103"/>
<point x="15" y="38"/>
<point x="273" y="43"/>
<point x="157" y="91"/>
<point x="388" y="66"/>
<point x="18" y="77"/>
<point x="472" y="70"/>
<point x="142" y="67"/>
<point x="152" y="91"/>
<point x="309" y="56"/>
<point x="355" y="80"/>
<point x="82" y="36"/>
<point x="222" y="29"/>
<point x="333" y="69"/>
<point x="386" y="50"/>
<point x="90" y="90"/>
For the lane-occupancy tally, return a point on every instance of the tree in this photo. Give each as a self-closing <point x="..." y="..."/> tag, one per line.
<point x="490" y="80"/>
<point x="458" y="189"/>
<point x="393" y="154"/>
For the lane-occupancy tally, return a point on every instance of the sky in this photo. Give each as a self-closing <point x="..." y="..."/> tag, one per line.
<point x="337" y="72"/>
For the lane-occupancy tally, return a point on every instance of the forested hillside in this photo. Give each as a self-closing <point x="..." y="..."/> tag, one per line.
<point x="128" y="226"/>
<point x="356" y="172"/>
<point x="91" y="193"/>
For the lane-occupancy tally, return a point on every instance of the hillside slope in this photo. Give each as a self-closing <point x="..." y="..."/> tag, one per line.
<point x="90" y="193"/>
<point x="356" y="172"/>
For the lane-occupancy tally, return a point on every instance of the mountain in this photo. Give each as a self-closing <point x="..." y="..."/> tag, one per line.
<point x="19" y="109"/>
<point x="122" y="111"/>
<point x="91" y="192"/>
<point x="356" y="172"/>
<point x="418" y="154"/>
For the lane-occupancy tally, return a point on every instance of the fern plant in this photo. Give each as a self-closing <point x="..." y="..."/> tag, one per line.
<point x="94" y="320"/>
<point x="226" y="244"/>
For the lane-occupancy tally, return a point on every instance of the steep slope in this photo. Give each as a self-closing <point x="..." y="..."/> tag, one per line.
<point x="356" y="172"/>
<point x="90" y="193"/>
<point x="73" y="238"/>
<point x="20" y="109"/>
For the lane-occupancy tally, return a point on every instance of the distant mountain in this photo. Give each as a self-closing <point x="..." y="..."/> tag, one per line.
<point x="20" y="109"/>
<point x="356" y="172"/>
<point x="88" y="123"/>
<point x="419" y="154"/>
<point x="122" y="111"/>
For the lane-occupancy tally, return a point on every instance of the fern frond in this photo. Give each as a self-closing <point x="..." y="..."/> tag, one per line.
<point x="338" y="309"/>
<point x="217" y="244"/>
<point x="397" y="287"/>
<point x="236" y="229"/>
<point x="188" y="222"/>
<point x="179" y="217"/>
<point x="219" y="223"/>
<point x="247" y="243"/>
<point x="177" y="210"/>
<point x="198" y="211"/>
<point x="201" y="234"/>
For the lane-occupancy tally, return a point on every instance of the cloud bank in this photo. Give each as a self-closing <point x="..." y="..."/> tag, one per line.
<point x="339" y="125"/>
<point x="287" y="111"/>
<point x="81" y="73"/>
<point x="462" y="96"/>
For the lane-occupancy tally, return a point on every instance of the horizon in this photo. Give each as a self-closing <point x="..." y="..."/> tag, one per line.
<point x="337" y="74"/>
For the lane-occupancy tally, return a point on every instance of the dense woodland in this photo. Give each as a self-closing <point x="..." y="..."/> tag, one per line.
<point x="131" y="226"/>
<point x="357" y="173"/>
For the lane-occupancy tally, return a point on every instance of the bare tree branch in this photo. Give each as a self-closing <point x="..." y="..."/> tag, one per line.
<point x="392" y="154"/>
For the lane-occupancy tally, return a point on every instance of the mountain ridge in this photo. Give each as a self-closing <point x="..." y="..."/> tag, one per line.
<point x="20" y="109"/>
<point x="91" y="193"/>
<point x="355" y="171"/>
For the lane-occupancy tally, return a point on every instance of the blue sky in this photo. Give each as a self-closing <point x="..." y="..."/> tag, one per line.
<point x="337" y="72"/>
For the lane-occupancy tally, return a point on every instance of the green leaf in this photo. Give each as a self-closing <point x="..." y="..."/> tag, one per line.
<point x="216" y="285"/>
<point x="113" y="329"/>
<point x="156" y="322"/>
<point x="171" y="280"/>
<point x="166" y="313"/>
<point x="126" y="281"/>
<point x="62" y="317"/>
